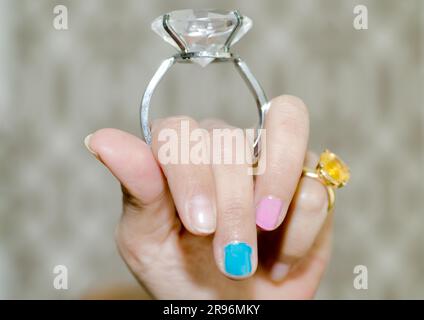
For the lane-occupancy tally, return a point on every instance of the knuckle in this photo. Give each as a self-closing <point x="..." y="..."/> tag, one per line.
<point x="289" y="168"/>
<point x="131" y="201"/>
<point x="297" y="248"/>
<point x="229" y="147"/>
<point x="234" y="209"/>
<point x="284" y="176"/>
<point x="213" y="123"/>
<point x="171" y="127"/>
<point x="313" y="196"/>
<point x="176" y="121"/>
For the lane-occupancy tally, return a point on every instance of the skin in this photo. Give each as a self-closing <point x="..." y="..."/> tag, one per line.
<point x="174" y="254"/>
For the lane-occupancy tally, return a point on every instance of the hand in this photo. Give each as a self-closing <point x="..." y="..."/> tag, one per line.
<point x="189" y="230"/>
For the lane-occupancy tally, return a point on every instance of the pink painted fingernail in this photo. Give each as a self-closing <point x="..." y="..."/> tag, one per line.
<point x="268" y="213"/>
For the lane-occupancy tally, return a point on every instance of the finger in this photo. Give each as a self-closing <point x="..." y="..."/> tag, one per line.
<point x="235" y="240"/>
<point x="147" y="207"/>
<point x="304" y="277"/>
<point x="287" y="130"/>
<point x="181" y="148"/>
<point x="306" y="218"/>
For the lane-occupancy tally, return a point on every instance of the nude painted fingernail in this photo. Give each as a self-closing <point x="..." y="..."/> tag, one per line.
<point x="268" y="213"/>
<point x="279" y="271"/>
<point x="202" y="214"/>
<point x="87" y="145"/>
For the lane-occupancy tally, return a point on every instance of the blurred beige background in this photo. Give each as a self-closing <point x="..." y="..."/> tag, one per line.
<point x="364" y="90"/>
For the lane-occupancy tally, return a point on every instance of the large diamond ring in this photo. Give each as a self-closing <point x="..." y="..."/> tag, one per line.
<point x="202" y="37"/>
<point x="332" y="172"/>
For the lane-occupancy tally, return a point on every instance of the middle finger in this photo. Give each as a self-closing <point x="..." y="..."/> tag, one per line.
<point x="235" y="243"/>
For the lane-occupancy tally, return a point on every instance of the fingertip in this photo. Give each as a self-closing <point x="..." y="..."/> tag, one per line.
<point x="270" y="213"/>
<point x="290" y="100"/>
<point x="108" y="141"/>
<point x="87" y="143"/>
<point x="237" y="260"/>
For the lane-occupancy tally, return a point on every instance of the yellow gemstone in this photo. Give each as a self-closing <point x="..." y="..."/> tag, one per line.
<point x="334" y="171"/>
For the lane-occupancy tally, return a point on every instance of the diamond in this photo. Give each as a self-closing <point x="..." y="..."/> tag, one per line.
<point x="202" y="30"/>
<point x="333" y="169"/>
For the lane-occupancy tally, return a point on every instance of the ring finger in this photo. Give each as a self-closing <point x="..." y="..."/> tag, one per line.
<point x="307" y="215"/>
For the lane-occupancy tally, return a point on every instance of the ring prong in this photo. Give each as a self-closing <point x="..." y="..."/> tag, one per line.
<point x="234" y="32"/>
<point x="174" y="35"/>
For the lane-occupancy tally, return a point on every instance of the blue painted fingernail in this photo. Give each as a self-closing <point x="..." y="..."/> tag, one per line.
<point x="237" y="259"/>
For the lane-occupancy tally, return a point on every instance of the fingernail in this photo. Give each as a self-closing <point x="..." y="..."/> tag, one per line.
<point x="237" y="259"/>
<point x="202" y="214"/>
<point x="279" y="271"/>
<point x="87" y="145"/>
<point x="268" y="213"/>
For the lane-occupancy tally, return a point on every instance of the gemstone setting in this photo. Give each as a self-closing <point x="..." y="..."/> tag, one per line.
<point x="333" y="170"/>
<point x="205" y="31"/>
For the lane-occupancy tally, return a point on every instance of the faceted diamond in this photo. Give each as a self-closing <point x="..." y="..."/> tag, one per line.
<point x="202" y="30"/>
<point x="333" y="169"/>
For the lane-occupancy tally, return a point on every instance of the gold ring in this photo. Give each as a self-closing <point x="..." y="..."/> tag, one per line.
<point x="332" y="172"/>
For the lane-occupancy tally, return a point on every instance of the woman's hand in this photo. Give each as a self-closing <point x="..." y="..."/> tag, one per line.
<point x="189" y="230"/>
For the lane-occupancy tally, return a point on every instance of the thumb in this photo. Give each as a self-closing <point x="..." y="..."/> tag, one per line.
<point x="148" y="206"/>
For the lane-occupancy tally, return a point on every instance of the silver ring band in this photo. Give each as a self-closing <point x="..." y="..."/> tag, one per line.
<point x="186" y="57"/>
<point x="247" y="75"/>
